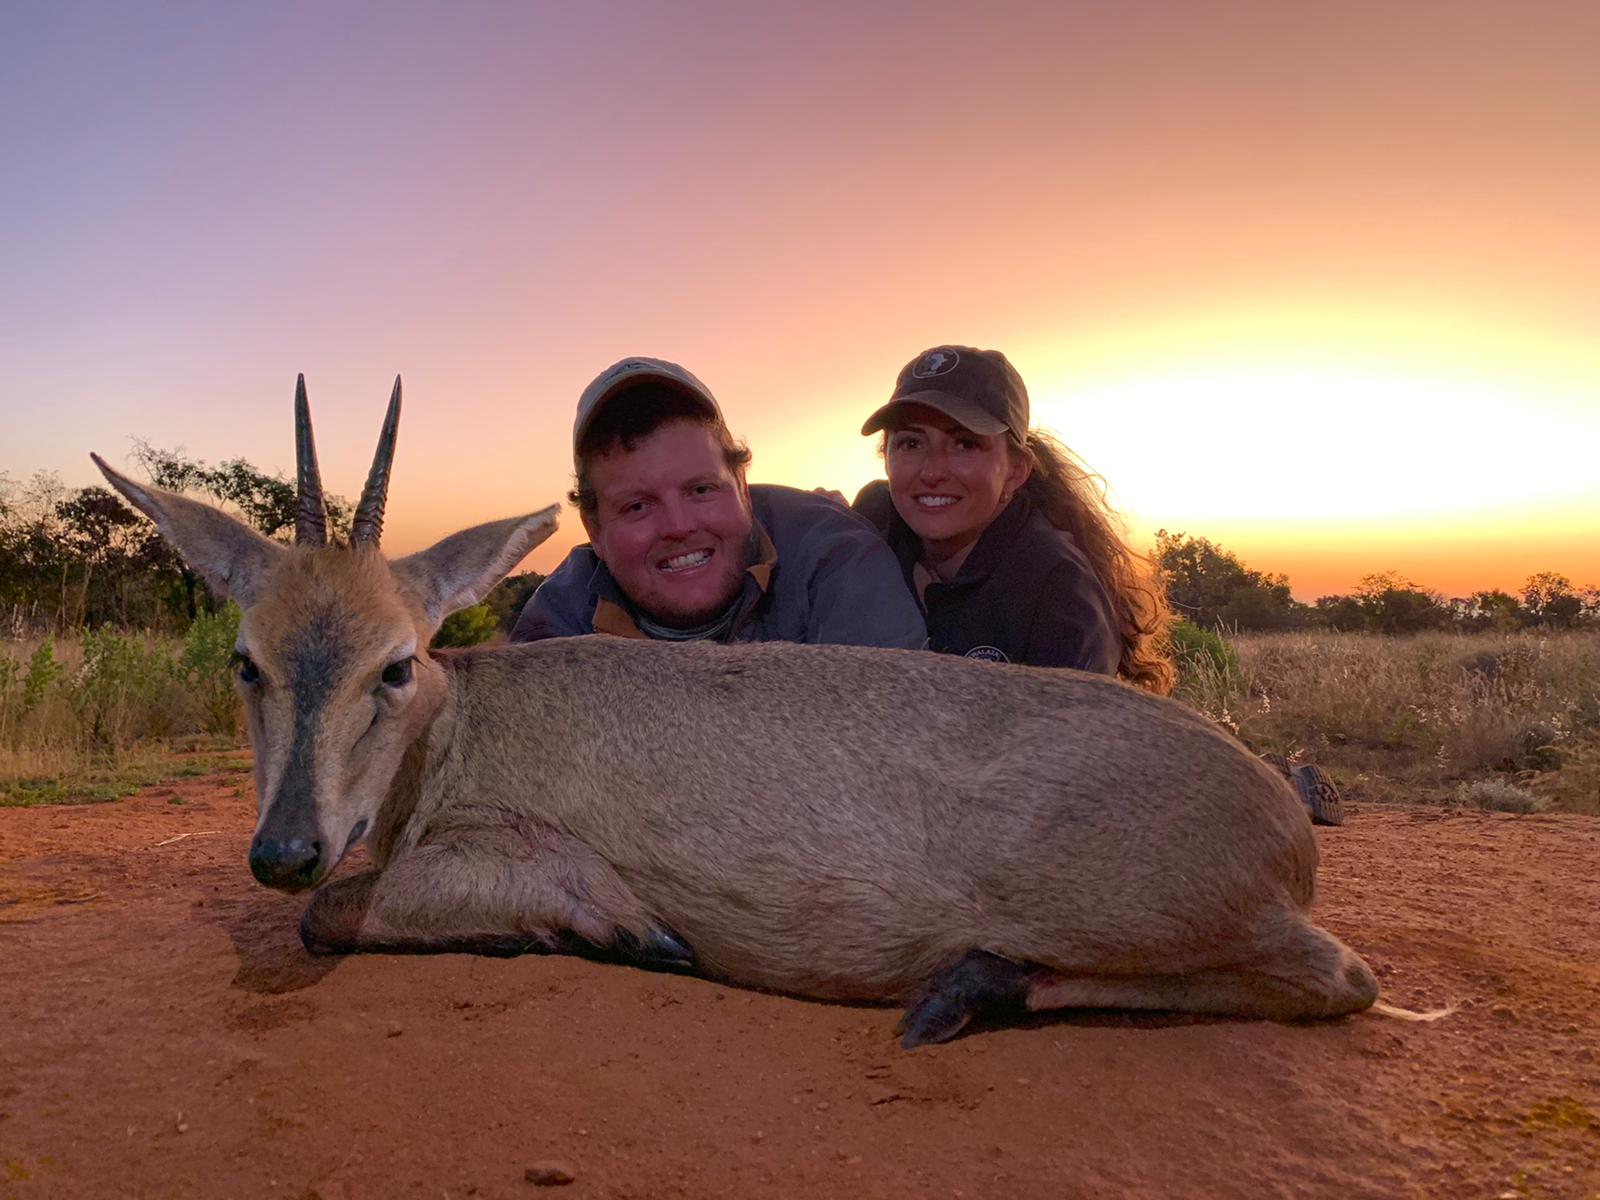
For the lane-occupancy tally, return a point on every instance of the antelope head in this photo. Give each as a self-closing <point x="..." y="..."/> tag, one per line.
<point x="332" y="655"/>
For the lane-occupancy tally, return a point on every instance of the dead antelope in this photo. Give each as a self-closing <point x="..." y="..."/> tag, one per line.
<point x="871" y="825"/>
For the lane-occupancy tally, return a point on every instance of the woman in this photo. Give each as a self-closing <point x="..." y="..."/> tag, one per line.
<point x="1007" y="540"/>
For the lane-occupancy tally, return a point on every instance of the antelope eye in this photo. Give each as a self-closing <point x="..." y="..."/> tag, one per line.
<point x="248" y="671"/>
<point x="397" y="674"/>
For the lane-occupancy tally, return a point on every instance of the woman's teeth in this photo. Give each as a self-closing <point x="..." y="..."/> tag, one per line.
<point x="935" y="501"/>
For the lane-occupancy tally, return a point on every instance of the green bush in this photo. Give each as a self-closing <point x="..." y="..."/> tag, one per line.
<point x="126" y="688"/>
<point x="467" y="627"/>
<point x="206" y="664"/>
<point x="1209" y="675"/>
<point x="43" y="670"/>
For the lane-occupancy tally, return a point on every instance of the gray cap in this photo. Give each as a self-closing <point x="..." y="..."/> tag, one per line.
<point x="629" y="373"/>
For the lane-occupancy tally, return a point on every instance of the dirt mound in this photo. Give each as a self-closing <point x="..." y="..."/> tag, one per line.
<point x="165" y="1036"/>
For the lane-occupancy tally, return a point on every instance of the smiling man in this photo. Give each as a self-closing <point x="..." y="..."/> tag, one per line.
<point x="682" y="549"/>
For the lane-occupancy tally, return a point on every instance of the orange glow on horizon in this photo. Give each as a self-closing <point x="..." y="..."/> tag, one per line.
<point x="1314" y="282"/>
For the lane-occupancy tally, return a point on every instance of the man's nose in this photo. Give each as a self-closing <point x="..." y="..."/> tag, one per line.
<point x="677" y="518"/>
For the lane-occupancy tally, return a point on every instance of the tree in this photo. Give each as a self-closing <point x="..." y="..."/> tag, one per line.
<point x="102" y="537"/>
<point x="1344" y="613"/>
<point x="1494" y="610"/>
<point x="1210" y="586"/>
<point x="1551" y="600"/>
<point x="265" y="502"/>
<point x="1395" y="605"/>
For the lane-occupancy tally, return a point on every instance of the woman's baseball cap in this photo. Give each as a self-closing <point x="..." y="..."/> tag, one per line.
<point x="979" y="389"/>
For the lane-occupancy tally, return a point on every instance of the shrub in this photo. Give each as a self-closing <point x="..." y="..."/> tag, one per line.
<point x="1496" y="795"/>
<point x="43" y="670"/>
<point x="467" y="627"/>
<point x="206" y="663"/>
<point x="125" y="689"/>
<point x="1209" y="675"/>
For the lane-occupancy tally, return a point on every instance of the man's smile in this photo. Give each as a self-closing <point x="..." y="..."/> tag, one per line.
<point x="686" y="561"/>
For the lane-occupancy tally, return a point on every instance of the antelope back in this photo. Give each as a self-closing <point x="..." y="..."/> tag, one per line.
<point x="332" y="658"/>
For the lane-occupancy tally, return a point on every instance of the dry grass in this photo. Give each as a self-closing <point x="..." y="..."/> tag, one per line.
<point x="91" y="717"/>
<point x="1418" y="717"/>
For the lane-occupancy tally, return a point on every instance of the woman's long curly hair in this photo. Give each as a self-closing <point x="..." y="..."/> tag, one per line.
<point x="1073" y="499"/>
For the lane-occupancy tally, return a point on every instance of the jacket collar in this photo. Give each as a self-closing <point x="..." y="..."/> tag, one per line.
<point x="994" y="543"/>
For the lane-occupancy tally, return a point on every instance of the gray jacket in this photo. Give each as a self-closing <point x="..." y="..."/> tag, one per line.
<point x="820" y="573"/>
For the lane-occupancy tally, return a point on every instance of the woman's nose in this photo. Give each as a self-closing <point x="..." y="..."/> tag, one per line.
<point x="935" y="466"/>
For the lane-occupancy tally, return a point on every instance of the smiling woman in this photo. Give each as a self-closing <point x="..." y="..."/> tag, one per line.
<point x="1007" y="541"/>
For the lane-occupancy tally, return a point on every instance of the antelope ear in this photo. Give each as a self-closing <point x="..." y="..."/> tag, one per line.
<point x="231" y="557"/>
<point x="460" y="570"/>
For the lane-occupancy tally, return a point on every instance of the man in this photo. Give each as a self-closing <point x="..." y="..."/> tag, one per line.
<point x="682" y="549"/>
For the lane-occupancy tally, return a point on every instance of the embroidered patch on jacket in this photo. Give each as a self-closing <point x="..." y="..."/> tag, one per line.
<point x="988" y="654"/>
<point x="935" y="362"/>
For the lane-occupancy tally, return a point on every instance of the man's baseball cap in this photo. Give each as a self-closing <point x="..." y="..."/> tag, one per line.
<point x="629" y="373"/>
<point x="979" y="389"/>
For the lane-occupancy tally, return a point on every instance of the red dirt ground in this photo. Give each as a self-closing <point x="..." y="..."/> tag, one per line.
<point x="162" y="1034"/>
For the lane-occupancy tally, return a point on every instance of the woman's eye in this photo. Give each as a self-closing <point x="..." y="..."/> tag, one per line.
<point x="397" y="674"/>
<point x="248" y="671"/>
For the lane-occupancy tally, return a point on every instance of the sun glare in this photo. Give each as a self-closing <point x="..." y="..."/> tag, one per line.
<point x="1274" y="417"/>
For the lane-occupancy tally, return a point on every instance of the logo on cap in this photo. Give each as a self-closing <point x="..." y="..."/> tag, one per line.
<point x="935" y="362"/>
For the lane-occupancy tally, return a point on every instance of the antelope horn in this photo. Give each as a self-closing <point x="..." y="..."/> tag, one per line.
<point x="310" y="516"/>
<point x="367" y="527"/>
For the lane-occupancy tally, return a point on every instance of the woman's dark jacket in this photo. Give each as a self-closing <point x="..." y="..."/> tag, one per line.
<point x="1025" y="594"/>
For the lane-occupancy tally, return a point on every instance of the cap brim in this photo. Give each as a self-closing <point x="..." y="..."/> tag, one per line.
<point x="958" y="408"/>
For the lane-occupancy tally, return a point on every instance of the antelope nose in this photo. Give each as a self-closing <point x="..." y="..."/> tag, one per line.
<point x="285" y="862"/>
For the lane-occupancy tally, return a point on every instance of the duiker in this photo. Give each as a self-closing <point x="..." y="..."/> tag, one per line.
<point x="872" y="825"/>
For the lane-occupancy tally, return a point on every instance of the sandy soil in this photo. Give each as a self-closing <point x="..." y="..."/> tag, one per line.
<point x="162" y="1034"/>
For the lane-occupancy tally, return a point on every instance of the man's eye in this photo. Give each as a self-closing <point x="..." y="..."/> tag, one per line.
<point x="397" y="674"/>
<point x="246" y="667"/>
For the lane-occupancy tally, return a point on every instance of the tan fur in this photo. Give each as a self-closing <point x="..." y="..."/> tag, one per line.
<point x="828" y="821"/>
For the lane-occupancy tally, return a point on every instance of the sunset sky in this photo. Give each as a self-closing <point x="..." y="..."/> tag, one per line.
<point x="1318" y="282"/>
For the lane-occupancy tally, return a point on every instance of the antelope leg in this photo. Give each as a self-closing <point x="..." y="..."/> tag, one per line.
<point x="469" y="895"/>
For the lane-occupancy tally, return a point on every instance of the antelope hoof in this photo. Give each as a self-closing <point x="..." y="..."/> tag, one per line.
<point x="977" y="983"/>
<point x="331" y="922"/>
<point x="932" y="1018"/>
<point x="318" y="934"/>
<point x="658" y="947"/>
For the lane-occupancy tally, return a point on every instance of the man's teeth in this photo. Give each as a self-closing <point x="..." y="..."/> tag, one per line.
<point x="684" y="561"/>
<point x="936" y="501"/>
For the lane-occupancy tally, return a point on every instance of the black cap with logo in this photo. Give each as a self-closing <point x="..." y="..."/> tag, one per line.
<point x="979" y="389"/>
